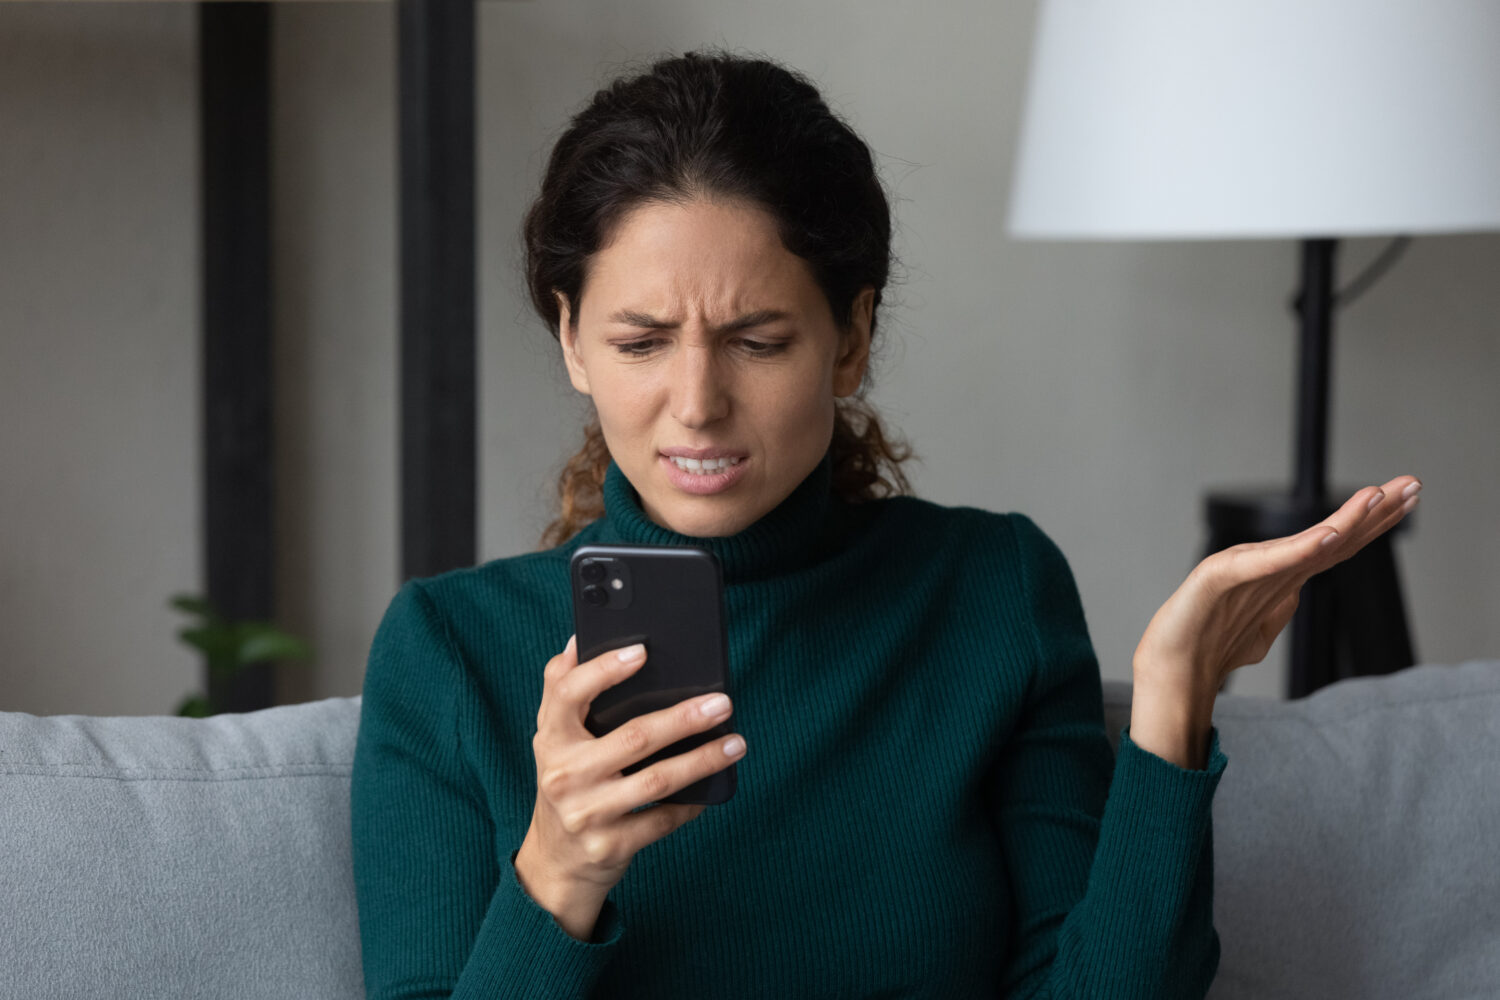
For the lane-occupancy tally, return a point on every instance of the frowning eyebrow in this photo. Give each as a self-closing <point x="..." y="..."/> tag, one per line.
<point x="745" y="322"/>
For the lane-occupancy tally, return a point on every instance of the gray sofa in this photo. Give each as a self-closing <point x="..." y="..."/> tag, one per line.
<point x="1356" y="847"/>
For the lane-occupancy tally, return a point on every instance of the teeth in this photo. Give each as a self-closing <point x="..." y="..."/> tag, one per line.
<point x="705" y="466"/>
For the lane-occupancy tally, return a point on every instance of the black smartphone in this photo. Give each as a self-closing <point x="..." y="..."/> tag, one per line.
<point x="671" y="598"/>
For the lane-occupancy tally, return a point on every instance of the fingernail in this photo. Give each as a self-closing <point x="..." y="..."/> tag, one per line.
<point x="1411" y="503"/>
<point x="632" y="654"/>
<point x="715" y="706"/>
<point x="572" y="643"/>
<point x="1375" y="500"/>
<point x="1411" y="491"/>
<point x="734" y="746"/>
<point x="1332" y="537"/>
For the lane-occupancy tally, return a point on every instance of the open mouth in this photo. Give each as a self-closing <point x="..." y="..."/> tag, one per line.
<point x="704" y="476"/>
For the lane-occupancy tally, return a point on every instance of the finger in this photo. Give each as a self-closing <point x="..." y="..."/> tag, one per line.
<point x="654" y="783"/>
<point x="566" y="701"/>
<point x="1331" y="530"/>
<point x="1393" y="498"/>
<point x="1354" y="510"/>
<point x="562" y="662"/>
<point x="602" y="807"/>
<point x="645" y="734"/>
<point x="1268" y="568"/>
<point x="557" y="668"/>
<point x="1363" y="516"/>
<point x="1401" y="497"/>
<point x="1405" y="487"/>
<point x="636" y="831"/>
<point x="1383" y="508"/>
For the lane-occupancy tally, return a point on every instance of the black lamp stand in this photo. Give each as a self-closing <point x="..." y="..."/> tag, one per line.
<point x="1350" y="620"/>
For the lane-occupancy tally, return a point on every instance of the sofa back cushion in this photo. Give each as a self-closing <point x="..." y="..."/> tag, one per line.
<point x="1355" y="846"/>
<point x="1357" y="838"/>
<point x="162" y="857"/>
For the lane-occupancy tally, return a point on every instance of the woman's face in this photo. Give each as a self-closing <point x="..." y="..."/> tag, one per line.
<point x="702" y="339"/>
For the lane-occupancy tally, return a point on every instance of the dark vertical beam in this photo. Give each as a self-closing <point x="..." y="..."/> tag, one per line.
<point x="234" y="109"/>
<point x="1314" y="627"/>
<point x="1314" y="308"/>
<point x="438" y="394"/>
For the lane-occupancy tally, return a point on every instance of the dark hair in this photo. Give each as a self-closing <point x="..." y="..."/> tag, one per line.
<point x="717" y="125"/>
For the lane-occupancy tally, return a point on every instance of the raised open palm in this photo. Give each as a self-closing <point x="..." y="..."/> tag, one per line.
<point x="1233" y="604"/>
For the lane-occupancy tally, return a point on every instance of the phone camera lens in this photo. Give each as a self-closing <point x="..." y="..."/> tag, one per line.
<point x="595" y="596"/>
<point x="592" y="572"/>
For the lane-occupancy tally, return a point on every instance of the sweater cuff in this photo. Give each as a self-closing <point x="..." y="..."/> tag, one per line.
<point x="523" y="952"/>
<point x="1152" y="797"/>
<point x="1213" y="768"/>
<point x="1215" y="760"/>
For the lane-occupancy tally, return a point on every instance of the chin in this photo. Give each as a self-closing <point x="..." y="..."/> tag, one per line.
<point x="701" y="524"/>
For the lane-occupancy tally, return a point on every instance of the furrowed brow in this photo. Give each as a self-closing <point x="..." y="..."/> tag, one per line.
<point x="758" y="318"/>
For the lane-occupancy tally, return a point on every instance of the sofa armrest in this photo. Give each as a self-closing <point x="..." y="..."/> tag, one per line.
<point x="168" y="857"/>
<point x="1355" y="837"/>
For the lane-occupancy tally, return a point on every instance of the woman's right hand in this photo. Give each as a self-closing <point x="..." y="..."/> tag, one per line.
<point x="583" y="832"/>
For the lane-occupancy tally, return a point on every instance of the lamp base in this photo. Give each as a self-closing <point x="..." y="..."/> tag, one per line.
<point x="1350" y="621"/>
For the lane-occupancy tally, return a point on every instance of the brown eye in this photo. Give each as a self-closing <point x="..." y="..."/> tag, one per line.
<point x="636" y="348"/>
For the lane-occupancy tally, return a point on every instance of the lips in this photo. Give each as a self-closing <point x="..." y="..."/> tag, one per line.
<point x="703" y="483"/>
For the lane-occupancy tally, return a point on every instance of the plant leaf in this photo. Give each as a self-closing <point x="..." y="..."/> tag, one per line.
<point x="195" y="706"/>
<point x="195" y="605"/>
<point x="217" y="643"/>
<point x="269" y="643"/>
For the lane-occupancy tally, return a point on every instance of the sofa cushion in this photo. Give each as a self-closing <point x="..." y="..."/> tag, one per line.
<point x="1354" y="845"/>
<point x="163" y="857"/>
<point x="1356" y="838"/>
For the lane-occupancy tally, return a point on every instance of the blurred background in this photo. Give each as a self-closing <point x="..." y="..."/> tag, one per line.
<point x="1101" y="388"/>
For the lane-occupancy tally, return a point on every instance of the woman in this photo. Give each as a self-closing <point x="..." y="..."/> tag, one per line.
<point x="927" y="805"/>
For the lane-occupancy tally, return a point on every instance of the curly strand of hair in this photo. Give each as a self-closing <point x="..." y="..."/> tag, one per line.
<point x="866" y="466"/>
<point x="866" y="458"/>
<point x="580" y="488"/>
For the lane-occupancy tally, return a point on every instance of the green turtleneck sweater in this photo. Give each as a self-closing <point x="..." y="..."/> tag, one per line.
<point x="928" y="806"/>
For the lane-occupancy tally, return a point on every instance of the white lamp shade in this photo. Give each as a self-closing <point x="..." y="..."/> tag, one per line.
<point x="1161" y="119"/>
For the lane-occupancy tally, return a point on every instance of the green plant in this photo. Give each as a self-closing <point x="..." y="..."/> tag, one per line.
<point x="230" y="646"/>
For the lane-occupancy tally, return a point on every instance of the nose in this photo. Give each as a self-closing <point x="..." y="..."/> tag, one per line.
<point x="699" y="395"/>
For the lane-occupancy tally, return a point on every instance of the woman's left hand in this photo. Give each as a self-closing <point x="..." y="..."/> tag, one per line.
<point x="1233" y="604"/>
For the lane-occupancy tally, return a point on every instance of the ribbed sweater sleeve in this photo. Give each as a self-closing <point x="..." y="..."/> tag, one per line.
<point x="441" y="911"/>
<point x="1112" y="860"/>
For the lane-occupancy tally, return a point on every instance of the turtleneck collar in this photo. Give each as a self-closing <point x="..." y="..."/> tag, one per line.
<point x="790" y="535"/>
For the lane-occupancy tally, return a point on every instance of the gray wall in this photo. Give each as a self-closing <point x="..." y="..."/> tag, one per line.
<point x="1100" y="388"/>
<point x="98" y="355"/>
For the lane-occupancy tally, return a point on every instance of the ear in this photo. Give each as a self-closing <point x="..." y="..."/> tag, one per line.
<point x="854" y="346"/>
<point x="566" y="336"/>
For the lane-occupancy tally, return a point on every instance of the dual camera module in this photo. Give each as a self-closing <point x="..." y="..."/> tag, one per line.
<point x="605" y="582"/>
